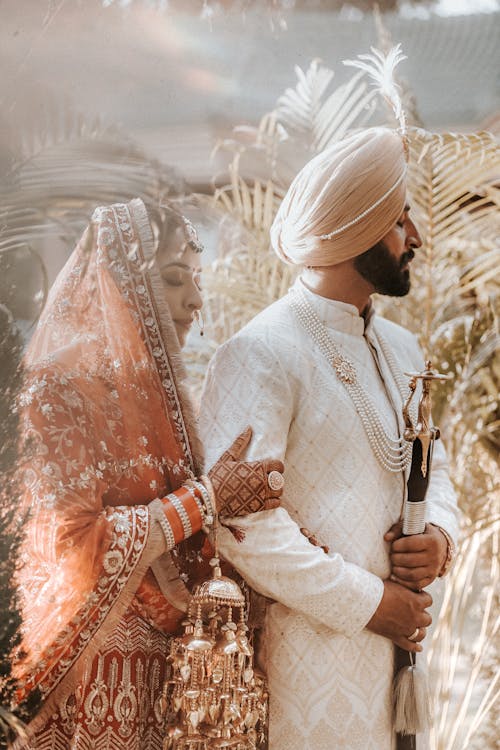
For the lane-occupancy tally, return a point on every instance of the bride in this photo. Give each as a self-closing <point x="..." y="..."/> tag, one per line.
<point x="111" y="477"/>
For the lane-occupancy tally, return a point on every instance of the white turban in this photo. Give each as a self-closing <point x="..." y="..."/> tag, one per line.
<point x="343" y="201"/>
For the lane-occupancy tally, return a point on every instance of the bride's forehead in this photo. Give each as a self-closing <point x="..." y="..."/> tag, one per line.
<point x="173" y="244"/>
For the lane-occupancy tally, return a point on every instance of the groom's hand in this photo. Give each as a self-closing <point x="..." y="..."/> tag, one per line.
<point x="418" y="559"/>
<point x="400" y="614"/>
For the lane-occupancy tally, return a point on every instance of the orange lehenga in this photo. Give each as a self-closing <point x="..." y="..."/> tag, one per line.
<point x="108" y="434"/>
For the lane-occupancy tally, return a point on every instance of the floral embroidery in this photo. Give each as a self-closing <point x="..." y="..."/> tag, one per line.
<point x="112" y="561"/>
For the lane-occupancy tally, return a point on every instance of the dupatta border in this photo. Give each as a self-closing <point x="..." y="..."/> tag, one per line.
<point x="167" y="353"/>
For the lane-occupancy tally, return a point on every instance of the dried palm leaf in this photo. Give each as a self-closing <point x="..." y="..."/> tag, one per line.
<point x="306" y="120"/>
<point x="460" y="656"/>
<point x="317" y="121"/>
<point x="65" y="180"/>
<point x="56" y="170"/>
<point x="456" y="211"/>
<point x="246" y="277"/>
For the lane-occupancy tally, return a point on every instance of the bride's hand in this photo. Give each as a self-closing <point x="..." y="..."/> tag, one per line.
<point x="243" y="487"/>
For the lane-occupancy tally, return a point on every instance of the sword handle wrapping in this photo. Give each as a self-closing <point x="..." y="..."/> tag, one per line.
<point x="414" y="518"/>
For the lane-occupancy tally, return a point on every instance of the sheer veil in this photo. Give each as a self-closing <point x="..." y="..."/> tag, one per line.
<point x="108" y="428"/>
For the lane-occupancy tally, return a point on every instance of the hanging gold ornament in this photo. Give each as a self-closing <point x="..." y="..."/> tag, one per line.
<point x="215" y="698"/>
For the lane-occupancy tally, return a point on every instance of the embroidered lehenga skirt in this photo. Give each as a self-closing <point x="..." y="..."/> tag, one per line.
<point x="117" y="706"/>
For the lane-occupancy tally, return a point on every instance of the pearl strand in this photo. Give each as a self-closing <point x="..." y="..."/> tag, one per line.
<point x="394" y="455"/>
<point x="395" y="370"/>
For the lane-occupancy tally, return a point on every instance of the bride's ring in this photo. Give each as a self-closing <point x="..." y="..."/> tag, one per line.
<point x="414" y="636"/>
<point x="275" y="481"/>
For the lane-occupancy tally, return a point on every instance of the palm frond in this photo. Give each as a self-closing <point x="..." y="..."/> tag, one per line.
<point x="246" y="276"/>
<point x="59" y="168"/>
<point x="477" y="561"/>
<point x="255" y="206"/>
<point x="482" y="271"/>
<point x="450" y="182"/>
<point x="317" y="120"/>
<point x="300" y="105"/>
<point x="306" y="120"/>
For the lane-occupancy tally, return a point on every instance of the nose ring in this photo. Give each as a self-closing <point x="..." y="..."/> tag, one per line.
<point x="199" y="319"/>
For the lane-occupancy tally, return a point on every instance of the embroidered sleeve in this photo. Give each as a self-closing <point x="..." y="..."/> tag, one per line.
<point x="88" y="543"/>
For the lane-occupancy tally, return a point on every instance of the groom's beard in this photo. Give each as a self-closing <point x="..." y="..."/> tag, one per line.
<point x="387" y="274"/>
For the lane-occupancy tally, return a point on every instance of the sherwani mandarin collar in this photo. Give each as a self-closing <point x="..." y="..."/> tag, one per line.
<point x="336" y="315"/>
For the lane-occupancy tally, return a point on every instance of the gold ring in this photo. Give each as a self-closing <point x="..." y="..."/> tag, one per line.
<point x="414" y="636"/>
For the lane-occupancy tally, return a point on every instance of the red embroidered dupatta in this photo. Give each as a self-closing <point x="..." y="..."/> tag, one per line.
<point x="106" y="431"/>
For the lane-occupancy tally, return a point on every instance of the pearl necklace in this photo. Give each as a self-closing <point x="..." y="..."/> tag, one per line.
<point x="393" y="455"/>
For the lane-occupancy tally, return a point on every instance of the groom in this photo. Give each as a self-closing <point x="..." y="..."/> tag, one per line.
<point x="319" y="376"/>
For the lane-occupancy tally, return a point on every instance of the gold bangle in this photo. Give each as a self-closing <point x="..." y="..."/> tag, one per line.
<point x="450" y="551"/>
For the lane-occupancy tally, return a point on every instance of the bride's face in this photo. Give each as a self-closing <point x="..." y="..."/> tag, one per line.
<point x="180" y="271"/>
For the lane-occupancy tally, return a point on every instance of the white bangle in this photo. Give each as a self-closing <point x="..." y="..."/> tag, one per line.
<point x="183" y="515"/>
<point x="163" y="521"/>
<point x="203" y="503"/>
<point x="209" y="494"/>
<point x="193" y="490"/>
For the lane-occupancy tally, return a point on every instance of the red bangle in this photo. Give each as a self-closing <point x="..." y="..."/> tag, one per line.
<point x="191" y="507"/>
<point x="182" y="513"/>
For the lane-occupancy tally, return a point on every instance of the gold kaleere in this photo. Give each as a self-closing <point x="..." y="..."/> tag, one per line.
<point x="214" y="697"/>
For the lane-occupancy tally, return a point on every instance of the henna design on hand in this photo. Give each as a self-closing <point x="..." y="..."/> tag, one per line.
<point x="242" y="487"/>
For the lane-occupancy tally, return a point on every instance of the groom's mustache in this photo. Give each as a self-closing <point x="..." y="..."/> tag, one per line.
<point x="406" y="258"/>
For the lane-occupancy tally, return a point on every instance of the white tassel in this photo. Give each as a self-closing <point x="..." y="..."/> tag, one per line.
<point x="411" y="701"/>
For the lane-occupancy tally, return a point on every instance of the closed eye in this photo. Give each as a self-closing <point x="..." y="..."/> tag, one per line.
<point x="172" y="279"/>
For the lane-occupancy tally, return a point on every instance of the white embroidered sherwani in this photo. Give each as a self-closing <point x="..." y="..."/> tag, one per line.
<point x="329" y="677"/>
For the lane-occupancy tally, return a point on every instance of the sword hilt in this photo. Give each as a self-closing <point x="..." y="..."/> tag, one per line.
<point x="414" y="517"/>
<point x="423" y="430"/>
